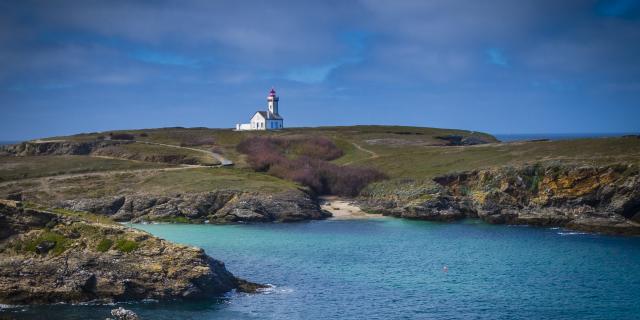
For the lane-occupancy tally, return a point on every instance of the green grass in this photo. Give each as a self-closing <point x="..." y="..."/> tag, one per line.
<point x="104" y="245"/>
<point x="227" y="139"/>
<point x="61" y="242"/>
<point x="401" y="152"/>
<point x="204" y="179"/>
<point x="351" y="153"/>
<point x="427" y="162"/>
<point x="16" y="168"/>
<point x="157" y="182"/>
<point x="126" y="245"/>
<point x="158" y="153"/>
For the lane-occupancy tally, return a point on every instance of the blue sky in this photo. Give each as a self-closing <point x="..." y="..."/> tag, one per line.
<point x="499" y="66"/>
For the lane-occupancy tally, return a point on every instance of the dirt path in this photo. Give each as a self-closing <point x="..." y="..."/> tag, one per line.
<point x="372" y="154"/>
<point x="223" y="161"/>
<point x="344" y="209"/>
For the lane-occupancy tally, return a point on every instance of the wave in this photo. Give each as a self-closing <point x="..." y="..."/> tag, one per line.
<point x="571" y="233"/>
<point x="271" y="289"/>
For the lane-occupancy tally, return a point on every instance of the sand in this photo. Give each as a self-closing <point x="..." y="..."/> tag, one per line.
<point x="344" y="209"/>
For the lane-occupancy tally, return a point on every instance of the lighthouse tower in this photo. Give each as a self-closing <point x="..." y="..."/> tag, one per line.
<point x="265" y="120"/>
<point x="272" y="103"/>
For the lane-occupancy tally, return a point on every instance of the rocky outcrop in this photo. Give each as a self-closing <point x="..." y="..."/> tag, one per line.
<point x="458" y="140"/>
<point x="593" y="199"/>
<point x="54" y="147"/>
<point x="123" y="314"/>
<point x="60" y="256"/>
<point x="225" y="206"/>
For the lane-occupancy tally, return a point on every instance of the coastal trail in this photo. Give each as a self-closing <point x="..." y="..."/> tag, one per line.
<point x="372" y="154"/>
<point x="223" y="161"/>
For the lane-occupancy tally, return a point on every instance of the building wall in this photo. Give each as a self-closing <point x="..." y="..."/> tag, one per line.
<point x="258" y="122"/>
<point x="274" y="124"/>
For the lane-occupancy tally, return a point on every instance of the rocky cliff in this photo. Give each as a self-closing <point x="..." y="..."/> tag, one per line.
<point x="595" y="199"/>
<point x="223" y="206"/>
<point x="54" y="147"/>
<point x="61" y="256"/>
<point x="104" y="148"/>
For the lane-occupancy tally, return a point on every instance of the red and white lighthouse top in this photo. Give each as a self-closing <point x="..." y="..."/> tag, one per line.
<point x="272" y="93"/>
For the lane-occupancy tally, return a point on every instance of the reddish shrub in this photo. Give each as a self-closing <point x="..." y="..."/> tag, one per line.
<point x="303" y="160"/>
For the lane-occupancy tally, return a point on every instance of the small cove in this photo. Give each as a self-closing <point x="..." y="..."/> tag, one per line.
<point x="390" y="268"/>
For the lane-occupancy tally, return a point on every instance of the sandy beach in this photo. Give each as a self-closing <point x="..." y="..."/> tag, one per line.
<point x="343" y="209"/>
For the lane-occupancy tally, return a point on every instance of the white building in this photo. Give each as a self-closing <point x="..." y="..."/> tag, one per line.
<point x="265" y="120"/>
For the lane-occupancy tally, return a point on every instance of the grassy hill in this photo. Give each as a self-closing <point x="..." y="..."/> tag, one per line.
<point x="402" y="153"/>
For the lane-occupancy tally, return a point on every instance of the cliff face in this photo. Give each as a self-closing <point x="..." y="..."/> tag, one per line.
<point x="594" y="199"/>
<point x="58" y="147"/>
<point x="49" y="257"/>
<point x="226" y="206"/>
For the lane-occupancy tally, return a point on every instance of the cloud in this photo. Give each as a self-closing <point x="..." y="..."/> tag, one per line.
<point x="406" y="52"/>
<point x="30" y="88"/>
<point x="619" y="8"/>
<point x="165" y="58"/>
<point x="356" y="43"/>
<point x="315" y="74"/>
<point x="496" y="56"/>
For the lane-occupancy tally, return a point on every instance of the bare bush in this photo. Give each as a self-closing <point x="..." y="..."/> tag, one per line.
<point x="304" y="160"/>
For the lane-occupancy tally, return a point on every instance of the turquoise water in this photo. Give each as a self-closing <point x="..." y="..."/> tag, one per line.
<point x="394" y="269"/>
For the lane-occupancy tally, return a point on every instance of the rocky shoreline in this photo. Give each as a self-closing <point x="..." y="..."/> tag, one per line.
<point x="219" y="207"/>
<point x="587" y="198"/>
<point x="60" y="256"/>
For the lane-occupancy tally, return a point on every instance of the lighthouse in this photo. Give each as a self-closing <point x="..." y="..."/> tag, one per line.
<point x="272" y="102"/>
<point x="265" y="120"/>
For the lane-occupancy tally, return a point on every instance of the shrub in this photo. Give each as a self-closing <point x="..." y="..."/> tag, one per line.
<point x="144" y="134"/>
<point x="126" y="245"/>
<point x="196" y="141"/>
<point x="104" y="245"/>
<point x="295" y="146"/>
<point x="121" y="136"/>
<point x="60" y="241"/>
<point x="304" y="160"/>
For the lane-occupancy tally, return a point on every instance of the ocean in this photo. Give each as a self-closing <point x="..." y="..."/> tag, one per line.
<point x="556" y="136"/>
<point x="391" y="268"/>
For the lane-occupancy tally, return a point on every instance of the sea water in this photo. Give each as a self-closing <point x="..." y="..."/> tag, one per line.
<point x="400" y="269"/>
